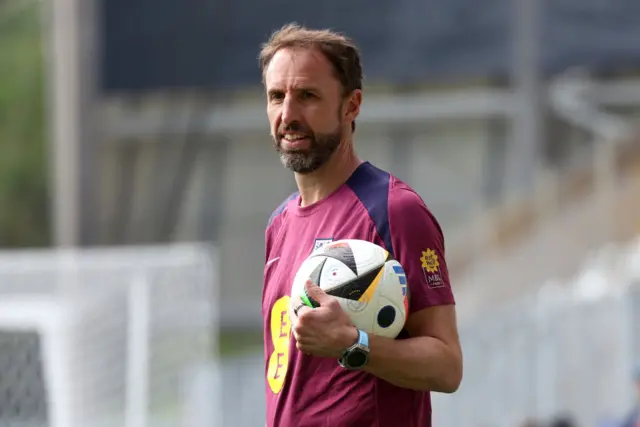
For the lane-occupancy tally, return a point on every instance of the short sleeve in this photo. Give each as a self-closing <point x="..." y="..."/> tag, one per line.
<point x="418" y="244"/>
<point x="275" y="222"/>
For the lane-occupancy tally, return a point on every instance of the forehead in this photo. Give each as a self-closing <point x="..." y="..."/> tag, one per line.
<point x="296" y="67"/>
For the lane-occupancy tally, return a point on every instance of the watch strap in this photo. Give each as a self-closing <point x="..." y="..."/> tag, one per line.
<point x="361" y="345"/>
<point x="363" y="340"/>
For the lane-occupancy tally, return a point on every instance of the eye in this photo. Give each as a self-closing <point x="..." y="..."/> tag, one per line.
<point x="276" y="96"/>
<point x="305" y="94"/>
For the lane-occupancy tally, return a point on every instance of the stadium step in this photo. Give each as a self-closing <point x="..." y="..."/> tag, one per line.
<point x="528" y="243"/>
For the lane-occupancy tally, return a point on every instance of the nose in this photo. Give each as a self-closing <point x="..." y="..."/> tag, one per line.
<point x="290" y="110"/>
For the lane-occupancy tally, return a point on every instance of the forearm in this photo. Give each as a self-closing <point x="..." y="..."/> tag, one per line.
<point x="420" y="363"/>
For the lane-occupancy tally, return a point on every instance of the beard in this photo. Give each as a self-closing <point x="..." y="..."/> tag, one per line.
<point x="321" y="148"/>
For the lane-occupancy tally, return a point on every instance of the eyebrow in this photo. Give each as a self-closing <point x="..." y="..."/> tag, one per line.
<point x="295" y="89"/>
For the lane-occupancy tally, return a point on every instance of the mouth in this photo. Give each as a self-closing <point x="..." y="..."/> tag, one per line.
<point x="293" y="141"/>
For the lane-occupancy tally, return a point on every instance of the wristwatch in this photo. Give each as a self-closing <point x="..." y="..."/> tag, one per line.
<point x="356" y="356"/>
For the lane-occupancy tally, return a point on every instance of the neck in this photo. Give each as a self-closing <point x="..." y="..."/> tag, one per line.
<point x="329" y="177"/>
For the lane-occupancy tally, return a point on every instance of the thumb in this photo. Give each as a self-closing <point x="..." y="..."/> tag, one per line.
<point x="313" y="295"/>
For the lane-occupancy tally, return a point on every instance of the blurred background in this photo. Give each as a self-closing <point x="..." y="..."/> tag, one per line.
<point x="127" y="125"/>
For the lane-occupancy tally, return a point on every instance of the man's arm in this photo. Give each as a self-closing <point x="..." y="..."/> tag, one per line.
<point x="431" y="359"/>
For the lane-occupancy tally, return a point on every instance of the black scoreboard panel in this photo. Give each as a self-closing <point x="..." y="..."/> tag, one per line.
<point x="151" y="44"/>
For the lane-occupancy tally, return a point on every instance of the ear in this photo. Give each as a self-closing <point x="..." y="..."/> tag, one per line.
<point x="352" y="105"/>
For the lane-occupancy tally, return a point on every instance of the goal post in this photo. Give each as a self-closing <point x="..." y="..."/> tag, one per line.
<point x="119" y="336"/>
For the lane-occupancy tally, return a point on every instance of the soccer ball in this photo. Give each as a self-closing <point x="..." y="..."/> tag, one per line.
<point x="369" y="284"/>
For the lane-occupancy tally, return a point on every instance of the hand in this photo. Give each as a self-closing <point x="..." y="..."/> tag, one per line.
<point x="325" y="331"/>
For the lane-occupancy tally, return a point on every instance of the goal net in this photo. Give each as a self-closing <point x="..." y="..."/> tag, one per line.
<point x="122" y="337"/>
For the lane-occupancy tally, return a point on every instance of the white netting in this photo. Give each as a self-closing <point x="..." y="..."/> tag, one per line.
<point x="108" y="337"/>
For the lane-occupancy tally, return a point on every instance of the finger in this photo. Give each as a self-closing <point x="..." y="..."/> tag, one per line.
<point x="296" y="335"/>
<point x="302" y="337"/>
<point x="304" y="311"/>
<point x="295" y="303"/>
<point x="304" y="341"/>
<point x="316" y="296"/>
<point x="298" y="331"/>
<point x="296" y="309"/>
<point x="306" y="346"/>
<point x="302" y="348"/>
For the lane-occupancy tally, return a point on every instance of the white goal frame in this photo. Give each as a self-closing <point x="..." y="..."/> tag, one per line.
<point x="53" y="314"/>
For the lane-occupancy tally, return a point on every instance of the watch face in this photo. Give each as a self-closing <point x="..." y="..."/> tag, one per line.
<point x="357" y="359"/>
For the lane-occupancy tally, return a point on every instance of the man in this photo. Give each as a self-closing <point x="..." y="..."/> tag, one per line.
<point x="313" y="82"/>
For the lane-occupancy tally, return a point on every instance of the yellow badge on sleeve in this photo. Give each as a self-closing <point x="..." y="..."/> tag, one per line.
<point x="431" y="269"/>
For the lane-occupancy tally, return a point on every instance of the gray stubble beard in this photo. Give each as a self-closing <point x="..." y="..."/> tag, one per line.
<point x="321" y="148"/>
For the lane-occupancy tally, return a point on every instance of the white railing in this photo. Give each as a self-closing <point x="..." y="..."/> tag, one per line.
<point x="566" y="349"/>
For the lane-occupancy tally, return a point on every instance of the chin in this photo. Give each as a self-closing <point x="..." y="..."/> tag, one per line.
<point x="299" y="166"/>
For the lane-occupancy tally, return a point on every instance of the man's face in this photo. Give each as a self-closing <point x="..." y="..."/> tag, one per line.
<point x="307" y="112"/>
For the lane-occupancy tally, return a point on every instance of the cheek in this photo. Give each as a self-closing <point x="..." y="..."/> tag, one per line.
<point x="273" y="118"/>
<point x="321" y="120"/>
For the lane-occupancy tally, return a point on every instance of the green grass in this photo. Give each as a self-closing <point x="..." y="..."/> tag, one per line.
<point x="23" y="167"/>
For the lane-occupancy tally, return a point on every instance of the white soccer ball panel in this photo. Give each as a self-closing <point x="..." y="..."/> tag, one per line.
<point x="303" y="274"/>
<point x="334" y="274"/>
<point x="367" y="255"/>
<point x="361" y="314"/>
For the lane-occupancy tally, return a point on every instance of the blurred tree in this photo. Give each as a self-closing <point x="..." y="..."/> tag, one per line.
<point x="24" y="219"/>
